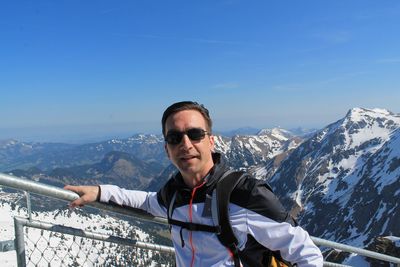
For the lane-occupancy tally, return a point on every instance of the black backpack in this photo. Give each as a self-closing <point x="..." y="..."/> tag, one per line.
<point x="219" y="209"/>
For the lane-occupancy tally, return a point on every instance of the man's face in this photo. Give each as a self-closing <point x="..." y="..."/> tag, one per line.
<point x="192" y="158"/>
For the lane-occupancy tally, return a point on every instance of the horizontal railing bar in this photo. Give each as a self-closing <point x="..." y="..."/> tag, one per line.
<point x="91" y="235"/>
<point x="62" y="194"/>
<point x="7" y="245"/>
<point x="332" y="264"/>
<point x="359" y="251"/>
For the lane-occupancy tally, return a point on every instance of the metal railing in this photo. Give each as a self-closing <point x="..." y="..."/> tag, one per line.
<point x="83" y="248"/>
<point x="59" y="193"/>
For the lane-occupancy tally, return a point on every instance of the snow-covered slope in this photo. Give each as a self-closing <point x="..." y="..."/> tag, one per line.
<point x="344" y="182"/>
<point x="243" y="151"/>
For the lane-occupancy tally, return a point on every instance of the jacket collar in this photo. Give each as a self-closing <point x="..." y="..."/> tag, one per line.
<point x="212" y="177"/>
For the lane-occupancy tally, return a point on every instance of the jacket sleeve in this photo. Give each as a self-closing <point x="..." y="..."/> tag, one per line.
<point x="293" y="243"/>
<point x="146" y="201"/>
<point x="267" y="222"/>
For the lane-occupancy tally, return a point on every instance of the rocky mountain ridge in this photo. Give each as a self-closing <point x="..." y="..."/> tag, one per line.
<point x="343" y="183"/>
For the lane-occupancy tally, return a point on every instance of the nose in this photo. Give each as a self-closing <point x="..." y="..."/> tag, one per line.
<point x="186" y="142"/>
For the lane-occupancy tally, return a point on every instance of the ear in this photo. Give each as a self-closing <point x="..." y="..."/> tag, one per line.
<point x="166" y="150"/>
<point x="212" y="143"/>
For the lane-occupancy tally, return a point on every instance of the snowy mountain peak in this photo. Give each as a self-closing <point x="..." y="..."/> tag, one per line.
<point x="361" y="125"/>
<point x="360" y="114"/>
<point x="7" y="142"/>
<point x="277" y="133"/>
<point x="146" y="138"/>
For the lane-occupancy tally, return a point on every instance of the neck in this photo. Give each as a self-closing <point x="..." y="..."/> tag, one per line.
<point x="193" y="180"/>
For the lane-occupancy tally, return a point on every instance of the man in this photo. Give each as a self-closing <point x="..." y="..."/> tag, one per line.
<point x="255" y="214"/>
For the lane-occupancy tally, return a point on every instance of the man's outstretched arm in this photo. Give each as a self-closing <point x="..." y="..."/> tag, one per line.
<point x="113" y="194"/>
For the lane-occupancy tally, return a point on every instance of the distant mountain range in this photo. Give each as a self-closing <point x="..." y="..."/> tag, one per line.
<point x="48" y="156"/>
<point x="136" y="162"/>
<point x="147" y="147"/>
<point x="299" y="131"/>
<point x="342" y="182"/>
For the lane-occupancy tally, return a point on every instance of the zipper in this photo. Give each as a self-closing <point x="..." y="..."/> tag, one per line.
<point x="191" y="220"/>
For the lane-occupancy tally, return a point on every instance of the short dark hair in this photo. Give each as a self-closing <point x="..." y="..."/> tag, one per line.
<point x="186" y="105"/>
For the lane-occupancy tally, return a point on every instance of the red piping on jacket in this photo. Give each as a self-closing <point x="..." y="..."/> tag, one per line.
<point x="191" y="220"/>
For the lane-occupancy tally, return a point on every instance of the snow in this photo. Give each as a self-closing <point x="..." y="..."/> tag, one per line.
<point x="292" y="145"/>
<point x="321" y="135"/>
<point x="396" y="193"/>
<point x="349" y="163"/>
<point x="368" y="134"/>
<point x="381" y="210"/>
<point x="358" y="114"/>
<point x="356" y="260"/>
<point x="221" y="145"/>
<point x="99" y="147"/>
<point x="381" y="111"/>
<point x="279" y="134"/>
<point x="383" y="229"/>
<point x="297" y="195"/>
<point x="146" y="139"/>
<point x="353" y="231"/>
<point x="388" y="153"/>
<point x="252" y="144"/>
<point x="8" y="258"/>
<point x="260" y="172"/>
<point x="373" y="129"/>
<point x="259" y="147"/>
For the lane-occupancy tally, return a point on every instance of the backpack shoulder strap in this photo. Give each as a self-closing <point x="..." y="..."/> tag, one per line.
<point x="220" y="212"/>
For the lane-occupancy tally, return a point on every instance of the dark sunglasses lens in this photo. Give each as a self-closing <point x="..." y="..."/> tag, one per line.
<point x="174" y="138"/>
<point x="196" y="134"/>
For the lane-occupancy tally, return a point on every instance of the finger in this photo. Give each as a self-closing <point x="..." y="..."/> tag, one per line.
<point x="79" y="202"/>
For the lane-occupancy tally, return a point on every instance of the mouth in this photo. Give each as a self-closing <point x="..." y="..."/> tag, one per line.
<point x="188" y="157"/>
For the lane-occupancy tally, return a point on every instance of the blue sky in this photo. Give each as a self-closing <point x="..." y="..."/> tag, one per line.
<point x="75" y="70"/>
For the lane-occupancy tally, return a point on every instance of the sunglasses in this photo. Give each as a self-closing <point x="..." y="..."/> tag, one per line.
<point x="174" y="137"/>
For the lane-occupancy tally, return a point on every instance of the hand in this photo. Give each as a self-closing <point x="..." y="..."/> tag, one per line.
<point x="87" y="194"/>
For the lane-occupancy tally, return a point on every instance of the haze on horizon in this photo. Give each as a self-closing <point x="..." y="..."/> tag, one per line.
<point x="83" y="70"/>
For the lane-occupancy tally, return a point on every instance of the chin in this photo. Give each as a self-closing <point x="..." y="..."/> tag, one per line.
<point x="189" y="170"/>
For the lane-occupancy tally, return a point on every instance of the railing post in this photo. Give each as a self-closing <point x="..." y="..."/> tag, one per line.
<point x="19" y="242"/>
<point x="28" y="205"/>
